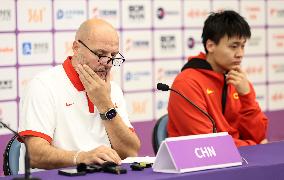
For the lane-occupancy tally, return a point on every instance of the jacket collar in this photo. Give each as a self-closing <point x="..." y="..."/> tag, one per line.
<point x="197" y="62"/>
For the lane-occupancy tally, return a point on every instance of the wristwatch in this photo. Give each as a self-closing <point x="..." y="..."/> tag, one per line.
<point x="109" y="115"/>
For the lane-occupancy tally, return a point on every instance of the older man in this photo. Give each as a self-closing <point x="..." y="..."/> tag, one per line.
<point x="73" y="113"/>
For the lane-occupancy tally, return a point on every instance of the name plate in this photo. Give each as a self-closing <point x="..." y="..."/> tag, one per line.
<point x="197" y="152"/>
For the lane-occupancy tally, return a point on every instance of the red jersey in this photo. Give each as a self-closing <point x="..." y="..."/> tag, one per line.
<point x="242" y="117"/>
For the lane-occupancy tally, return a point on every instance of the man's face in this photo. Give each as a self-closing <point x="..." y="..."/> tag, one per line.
<point x="227" y="54"/>
<point x="101" y="46"/>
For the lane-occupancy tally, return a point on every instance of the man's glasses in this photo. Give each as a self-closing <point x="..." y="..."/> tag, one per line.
<point x="115" y="61"/>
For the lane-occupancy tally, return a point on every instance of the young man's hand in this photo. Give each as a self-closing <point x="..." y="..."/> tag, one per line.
<point x="238" y="79"/>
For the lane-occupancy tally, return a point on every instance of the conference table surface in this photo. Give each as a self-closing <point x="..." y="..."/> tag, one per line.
<point x="265" y="162"/>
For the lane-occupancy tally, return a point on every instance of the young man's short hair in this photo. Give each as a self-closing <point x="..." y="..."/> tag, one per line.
<point x="223" y="23"/>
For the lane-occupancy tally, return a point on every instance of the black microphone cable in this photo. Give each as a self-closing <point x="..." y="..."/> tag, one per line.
<point x="165" y="87"/>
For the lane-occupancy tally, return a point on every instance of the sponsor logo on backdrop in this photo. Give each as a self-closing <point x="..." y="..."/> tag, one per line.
<point x="6" y="84"/>
<point x="166" y="73"/>
<point x="161" y="13"/>
<point x="168" y="42"/>
<point x="27" y="48"/>
<point x="35" y="48"/>
<point x="278" y="97"/>
<point x="139" y="107"/>
<point x="279" y="40"/>
<point x="25" y="82"/>
<point x="197" y="13"/>
<point x="136" y="12"/>
<point x="254" y="41"/>
<point x="278" y="68"/>
<point x="162" y="105"/>
<point x="4" y="50"/>
<point x="5" y="15"/>
<point x="254" y="70"/>
<point x="107" y="13"/>
<point x="277" y="12"/>
<point x="36" y="15"/>
<point x="39" y="48"/>
<point x="131" y="76"/>
<point x="259" y="97"/>
<point x="252" y="12"/>
<point x="136" y="44"/>
<point x="68" y="14"/>
<point x="190" y="42"/>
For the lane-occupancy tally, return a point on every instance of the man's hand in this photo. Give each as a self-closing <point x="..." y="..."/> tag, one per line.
<point x="264" y="141"/>
<point x="99" y="155"/>
<point x="97" y="89"/>
<point x="123" y="141"/>
<point x="50" y="157"/>
<point x="238" y="79"/>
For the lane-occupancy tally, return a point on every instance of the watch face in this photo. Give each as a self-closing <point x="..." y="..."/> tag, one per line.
<point x="111" y="114"/>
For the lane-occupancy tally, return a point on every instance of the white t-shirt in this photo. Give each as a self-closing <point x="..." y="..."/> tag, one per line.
<point x="54" y="109"/>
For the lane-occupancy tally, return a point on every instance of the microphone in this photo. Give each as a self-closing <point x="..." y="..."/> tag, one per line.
<point x="27" y="158"/>
<point x="165" y="87"/>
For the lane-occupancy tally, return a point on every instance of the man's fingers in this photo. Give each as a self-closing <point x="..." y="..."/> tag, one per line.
<point x="237" y="68"/>
<point x="106" y="157"/>
<point x="98" y="160"/>
<point x="231" y="82"/>
<point x="108" y="154"/>
<point x="112" y="154"/>
<point x="108" y="77"/>
<point x="116" y="156"/>
<point x="234" y="77"/>
<point x="84" y="73"/>
<point x="91" y="72"/>
<point x="233" y="72"/>
<point x="82" y="78"/>
<point x="238" y="71"/>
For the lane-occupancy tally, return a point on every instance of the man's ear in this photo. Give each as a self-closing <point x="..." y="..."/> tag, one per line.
<point x="75" y="47"/>
<point x="210" y="46"/>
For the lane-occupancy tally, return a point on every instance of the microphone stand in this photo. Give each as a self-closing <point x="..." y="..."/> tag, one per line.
<point x="205" y="113"/>
<point x="165" y="87"/>
<point x="27" y="158"/>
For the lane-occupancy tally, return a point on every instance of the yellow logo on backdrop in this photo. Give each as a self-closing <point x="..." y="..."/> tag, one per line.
<point x="6" y="50"/>
<point x="139" y="107"/>
<point x="36" y="15"/>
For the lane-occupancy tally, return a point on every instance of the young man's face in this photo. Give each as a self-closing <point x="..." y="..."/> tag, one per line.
<point x="227" y="54"/>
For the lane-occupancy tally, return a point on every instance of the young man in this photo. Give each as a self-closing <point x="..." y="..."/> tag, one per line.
<point x="217" y="84"/>
<point x="73" y="113"/>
